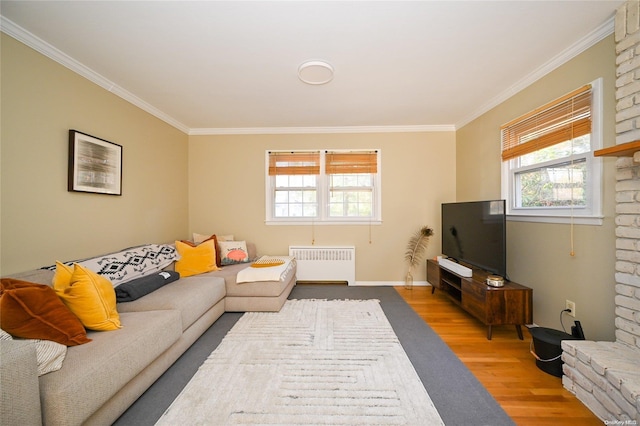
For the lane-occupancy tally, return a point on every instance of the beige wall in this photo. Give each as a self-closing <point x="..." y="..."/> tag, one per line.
<point x="538" y="254"/>
<point x="174" y="185"/>
<point x="227" y="194"/>
<point x="41" y="221"/>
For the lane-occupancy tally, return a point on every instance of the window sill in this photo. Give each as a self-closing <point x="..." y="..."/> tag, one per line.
<point x="577" y="220"/>
<point x="323" y="223"/>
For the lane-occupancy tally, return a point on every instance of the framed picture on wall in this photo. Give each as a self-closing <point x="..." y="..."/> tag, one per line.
<point x="95" y="165"/>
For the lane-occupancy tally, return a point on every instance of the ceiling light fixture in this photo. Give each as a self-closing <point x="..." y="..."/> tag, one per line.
<point x="315" y="72"/>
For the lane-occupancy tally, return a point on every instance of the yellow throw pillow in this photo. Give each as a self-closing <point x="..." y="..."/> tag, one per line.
<point x="196" y="260"/>
<point x="90" y="296"/>
<point x="62" y="277"/>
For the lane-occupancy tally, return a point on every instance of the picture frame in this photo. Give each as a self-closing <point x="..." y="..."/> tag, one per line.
<point x="95" y="165"/>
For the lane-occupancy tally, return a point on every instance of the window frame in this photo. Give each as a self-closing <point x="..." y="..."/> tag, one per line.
<point x="323" y="193"/>
<point x="591" y="214"/>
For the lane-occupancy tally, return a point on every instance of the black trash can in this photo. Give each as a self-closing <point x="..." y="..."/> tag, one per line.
<point x="547" y="349"/>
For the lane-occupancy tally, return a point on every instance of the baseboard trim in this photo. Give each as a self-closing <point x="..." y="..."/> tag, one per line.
<point x="391" y="283"/>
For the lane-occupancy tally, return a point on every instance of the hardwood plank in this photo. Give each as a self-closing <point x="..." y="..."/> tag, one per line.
<point x="503" y="365"/>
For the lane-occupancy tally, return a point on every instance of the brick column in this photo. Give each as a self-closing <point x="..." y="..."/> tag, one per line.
<point x="627" y="36"/>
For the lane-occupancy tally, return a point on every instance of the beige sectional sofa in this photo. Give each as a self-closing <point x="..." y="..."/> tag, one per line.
<point x="99" y="380"/>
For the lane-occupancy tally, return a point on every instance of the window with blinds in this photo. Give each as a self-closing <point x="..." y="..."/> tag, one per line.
<point x="548" y="165"/>
<point x="323" y="186"/>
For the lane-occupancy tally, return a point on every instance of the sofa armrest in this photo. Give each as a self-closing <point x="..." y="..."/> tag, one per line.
<point x="19" y="385"/>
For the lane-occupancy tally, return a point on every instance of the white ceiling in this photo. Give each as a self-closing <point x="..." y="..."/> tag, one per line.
<point x="230" y="66"/>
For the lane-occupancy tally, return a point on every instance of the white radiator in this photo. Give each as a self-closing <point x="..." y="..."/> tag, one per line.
<point x="316" y="263"/>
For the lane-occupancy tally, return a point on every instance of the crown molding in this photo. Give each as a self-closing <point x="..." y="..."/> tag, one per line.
<point x="12" y="29"/>
<point x="563" y="57"/>
<point x="305" y="130"/>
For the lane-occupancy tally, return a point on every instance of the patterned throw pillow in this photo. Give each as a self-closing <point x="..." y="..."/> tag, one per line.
<point x="49" y="354"/>
<point x="232" y="252"/>
<point x="131" y="263"/>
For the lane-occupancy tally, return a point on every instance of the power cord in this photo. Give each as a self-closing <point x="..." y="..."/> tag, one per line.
<point x="531" y="349"/>
<point x="561" y="323"/>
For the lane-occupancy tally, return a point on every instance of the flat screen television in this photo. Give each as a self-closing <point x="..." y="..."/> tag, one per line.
<point x="475" y="233"/>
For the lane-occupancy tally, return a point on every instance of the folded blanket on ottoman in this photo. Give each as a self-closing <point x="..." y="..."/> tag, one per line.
<point x="142" y="286"/>
<point x="267" y="268"/>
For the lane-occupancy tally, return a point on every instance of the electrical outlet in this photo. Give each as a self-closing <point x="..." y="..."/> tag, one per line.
<point x="571" y="306"/>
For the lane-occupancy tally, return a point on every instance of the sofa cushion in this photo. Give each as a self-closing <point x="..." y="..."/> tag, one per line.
<point x="192" y="296"/>
<point x="89" y="296"/>
<point x="93" y="373"/>
<point x="34" y="311"/>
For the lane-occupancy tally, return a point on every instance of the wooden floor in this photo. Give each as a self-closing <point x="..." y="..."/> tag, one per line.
<point x="503" y="365"/>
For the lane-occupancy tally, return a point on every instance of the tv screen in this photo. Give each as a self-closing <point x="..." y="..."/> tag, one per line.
<point x="475" y="233"/>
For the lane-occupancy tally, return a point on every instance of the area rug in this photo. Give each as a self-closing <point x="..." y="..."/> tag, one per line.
<point x="314" y="362"/>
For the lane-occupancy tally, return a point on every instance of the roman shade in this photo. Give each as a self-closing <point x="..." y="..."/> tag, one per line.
<point x="351" y="162"/>
<point x="294" y="163"/>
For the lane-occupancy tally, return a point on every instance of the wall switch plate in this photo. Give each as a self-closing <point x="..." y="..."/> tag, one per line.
<point x="571" y="306"/>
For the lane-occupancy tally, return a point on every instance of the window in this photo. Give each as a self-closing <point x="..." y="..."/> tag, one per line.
<point x="549" y="173"/>
<point x="323" y="186"/>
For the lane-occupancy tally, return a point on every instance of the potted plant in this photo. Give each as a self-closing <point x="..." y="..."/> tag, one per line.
<point x="415" y="252"/>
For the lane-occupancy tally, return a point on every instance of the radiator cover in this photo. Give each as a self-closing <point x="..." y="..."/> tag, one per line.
<point x="325" y="263"/>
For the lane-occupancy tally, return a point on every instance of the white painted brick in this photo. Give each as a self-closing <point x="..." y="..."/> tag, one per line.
<point x="627" y="137"/>
<point x="628" y="185"/>
<point x="632" y="112"/>
<point x="619" y="397"/>
<point x="627" y="220"/>
<point x="624" y="162"/>
<point x="623" y="68"/>
<point x="625" y="243"/>
<point x="594" y="405"/>
<point x="568" y="360"/>
<point x="624" y="174"/>
<point x="630" y="327"/>
<point x="625" y="290"/>
<point x="628" y="302"/>
<point x="626" y="196"/>
<point x="626" y="102"/>
<point x="627" y="267"/>
<point x="629" y="77"/>
<point x="591" y="376"/>
<point x="628" y="382"/>
<point x="625" y="55"/>
<point x="628" y="279"/>
<point x="608" y="403"/>
<point x="626" y="126"/>
<point x="624" y="313"/>
<point x="624" y="337"/>
<point x="632" y="16"/>
<point x="567" y="383"/>
<point x="579" y="380"/>
<point x="627" y="231"/>
<point x="625" y="43"/>
<point x="620" y="26"/>
<point x="628" y="255"/>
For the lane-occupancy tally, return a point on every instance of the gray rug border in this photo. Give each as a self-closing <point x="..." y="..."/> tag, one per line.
<point x="459" y="397"/>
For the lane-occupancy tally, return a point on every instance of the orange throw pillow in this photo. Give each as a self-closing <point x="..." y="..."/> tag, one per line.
<point x="34" y="311"/>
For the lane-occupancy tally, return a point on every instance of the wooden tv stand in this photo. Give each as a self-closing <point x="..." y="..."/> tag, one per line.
<point x="511" y="304"/>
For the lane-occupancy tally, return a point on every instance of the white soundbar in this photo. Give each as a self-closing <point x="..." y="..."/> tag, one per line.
<point x="456" y="267"/>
